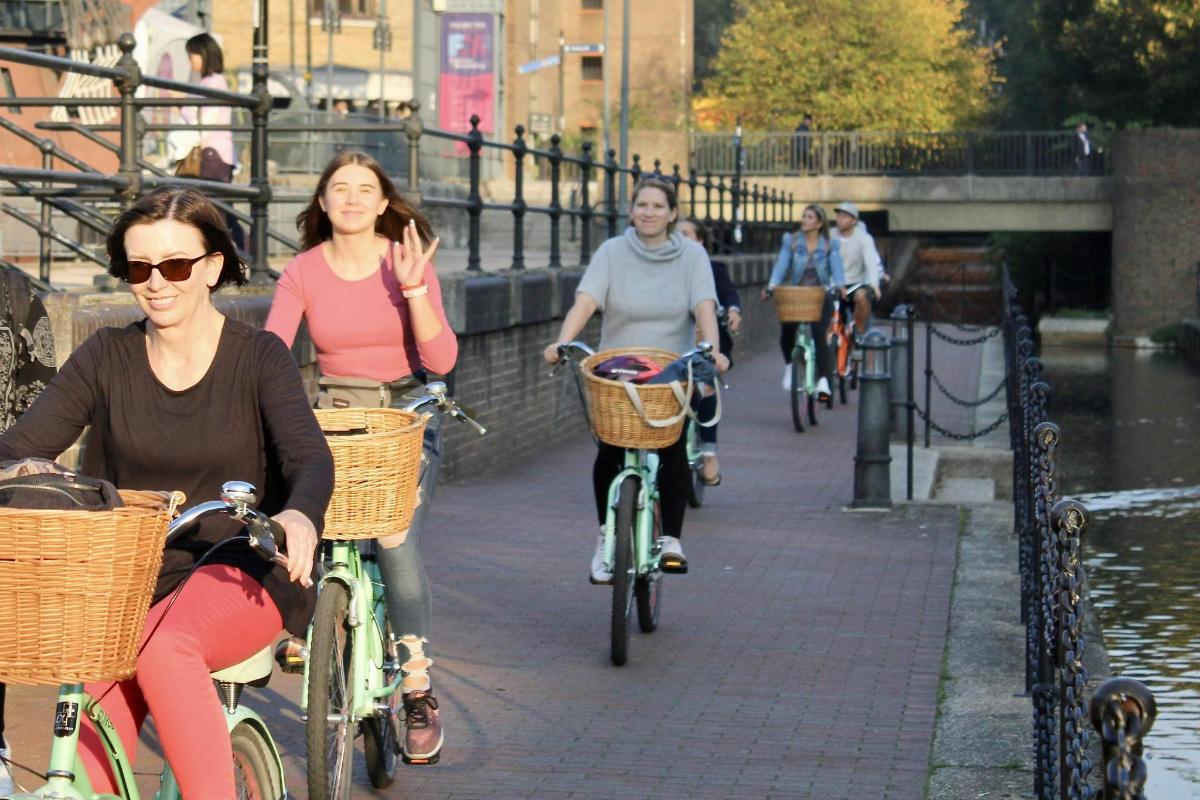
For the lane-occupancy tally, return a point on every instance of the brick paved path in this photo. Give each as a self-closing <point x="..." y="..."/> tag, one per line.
<point x="798" y="659"/>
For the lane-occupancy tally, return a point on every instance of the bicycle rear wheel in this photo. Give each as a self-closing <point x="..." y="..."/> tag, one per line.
<point x="381" y="733"/>
<point x="649" y="586"/>
<point x="256" y="772"/>
<point x="696" y="467"/>
<point x="798" y="393"/>
<point x="329" y="729"/>
<point x="623" y="569"/>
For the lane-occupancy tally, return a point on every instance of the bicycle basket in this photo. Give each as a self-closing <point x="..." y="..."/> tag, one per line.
<point x="614" y="417"/>
<point x="799" y="303"/>
<point x="75" y="588"/>
<point x="377" y="464"/>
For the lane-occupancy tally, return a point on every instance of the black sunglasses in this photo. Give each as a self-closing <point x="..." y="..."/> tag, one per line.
<point x="173" y="269"/>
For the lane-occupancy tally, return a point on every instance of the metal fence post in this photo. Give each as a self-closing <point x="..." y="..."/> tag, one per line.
<point x="585" y="207"/>
<point x="45" y="221"/>
<point x="127" y="86"/>
<point x="872" y="460"/>
<point x="413" y="129"/>
<point x="898" y="388"/>
<point x="611" y="175"/>
<point x="1123" y="711"/>
<point x="518" y="205"/>
<point x="555" y="201"/>
<point x="259" y="115"/>
<point x="474" y="198"/>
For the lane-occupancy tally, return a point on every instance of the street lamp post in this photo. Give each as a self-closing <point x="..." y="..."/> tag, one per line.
<point x="332" y="23"/>
<point x="624" y="192"/>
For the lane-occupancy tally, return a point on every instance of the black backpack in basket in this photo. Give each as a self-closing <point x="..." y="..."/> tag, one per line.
<point x="50" y="490"/>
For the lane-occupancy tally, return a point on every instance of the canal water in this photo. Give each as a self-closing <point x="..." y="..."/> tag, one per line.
<point x="1130" y="424"/>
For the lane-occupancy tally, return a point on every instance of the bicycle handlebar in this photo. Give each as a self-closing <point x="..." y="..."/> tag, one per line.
<point x="236" y="498"/>
<point x="436" y="396"/>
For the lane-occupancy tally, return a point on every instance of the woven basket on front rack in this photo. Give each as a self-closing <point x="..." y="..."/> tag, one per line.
<point x="613" y="416"/>
<point x="75" y="588"/>
<point x="799" y="303"/>
<point x="377" y="463"/>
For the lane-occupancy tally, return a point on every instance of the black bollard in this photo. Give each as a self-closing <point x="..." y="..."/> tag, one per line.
<point x="872" y="460"/>
<point x="898" y="387"/>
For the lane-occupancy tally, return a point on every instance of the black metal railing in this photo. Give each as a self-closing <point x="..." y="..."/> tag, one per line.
<point x="1049" y="533"/>
<point x="895" y="153"/>
<point x="743" y="217"/>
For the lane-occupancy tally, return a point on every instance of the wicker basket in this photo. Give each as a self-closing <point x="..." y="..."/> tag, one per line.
<point x="75" y="588"/>
<point x="615" y="419"/>
<point x="799" y="303"/>
<point x="377" y="464"/>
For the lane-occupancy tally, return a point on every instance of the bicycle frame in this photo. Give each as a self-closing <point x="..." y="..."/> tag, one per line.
<point x="808" y="346"/>
<point x="367" y="607"/>
<point x="642" y="464"/>
<point x="67" y="777"/>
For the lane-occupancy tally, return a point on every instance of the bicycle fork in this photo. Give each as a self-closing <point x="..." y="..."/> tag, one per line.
<point x="643" y="465"/>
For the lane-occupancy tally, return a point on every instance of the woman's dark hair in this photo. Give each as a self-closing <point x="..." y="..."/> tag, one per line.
<point x="314" y="223"/>
<point x="211" y="58"/>
<point x="701" y="231"/>
<point x="666" y="187"/>
<point x="189" y="207"/>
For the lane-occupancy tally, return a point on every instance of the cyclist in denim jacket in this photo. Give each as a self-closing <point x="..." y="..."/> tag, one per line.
<point x="809" y="257"/>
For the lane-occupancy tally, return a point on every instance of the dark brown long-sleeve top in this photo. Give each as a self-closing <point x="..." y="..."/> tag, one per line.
<point x="247" y="419"/>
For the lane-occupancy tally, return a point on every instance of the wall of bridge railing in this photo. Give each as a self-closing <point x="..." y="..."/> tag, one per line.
<point x="894" y="153"/>
<point x="742" y="217"/>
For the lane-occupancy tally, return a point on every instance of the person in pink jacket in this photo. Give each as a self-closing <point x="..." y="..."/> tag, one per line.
<point x="366" y="287"/>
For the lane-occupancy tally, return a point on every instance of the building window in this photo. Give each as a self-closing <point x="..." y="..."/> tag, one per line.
<point x="356" y="9"/>
<point x="593" y="68"/>
<point x="9" y="89"/>
<point x="589" y="5"/>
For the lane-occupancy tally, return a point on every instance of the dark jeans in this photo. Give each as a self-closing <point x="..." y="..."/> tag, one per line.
<point x="706" y="408"/>
<point x="672" y="482"/>
<point x="787" y="340"/>
<point x="213" y="168"/>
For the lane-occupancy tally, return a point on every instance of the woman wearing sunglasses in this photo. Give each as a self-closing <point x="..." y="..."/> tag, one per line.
<point x="187" y="399"/>
<point x="366" y="287"/>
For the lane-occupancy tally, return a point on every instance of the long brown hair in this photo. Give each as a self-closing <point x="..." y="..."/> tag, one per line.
<point x="314" y="223"/>
<point x="822" y="217"/>
<point x="189" y="207"/>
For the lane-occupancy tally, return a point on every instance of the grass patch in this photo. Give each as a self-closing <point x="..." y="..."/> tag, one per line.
<point x="1081" y="313"/>
<point x="1168" y="335"/>
<point x="944" y="676"/>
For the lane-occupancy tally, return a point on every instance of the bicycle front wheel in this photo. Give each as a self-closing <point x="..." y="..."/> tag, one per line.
<point x="623" y="569"/>
<point x="256" y="772"/>
<point x="798" y="392"/>
<point x="696" y="468"/>
<point x="330" y="728"/>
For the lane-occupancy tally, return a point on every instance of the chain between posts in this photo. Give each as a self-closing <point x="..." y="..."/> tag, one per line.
<point x="968" y="403"/>
<point x="964" y="342"/>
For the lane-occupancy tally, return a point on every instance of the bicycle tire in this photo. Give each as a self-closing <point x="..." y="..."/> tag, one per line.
<point x="255" y="770"/>
<point x="330" y="742"/>
<point x="842" y="389"/>
<point x="696" y="484"/>
<point x="623" y="570"/>
<point x="381" y="733"/>
<point x="812" y="410"/>
<point x="649" y="587"/>
<point x="797" y="393"/>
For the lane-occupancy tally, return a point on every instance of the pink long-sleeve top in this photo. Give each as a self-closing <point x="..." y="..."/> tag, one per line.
<point x="219" y="140"/>
<point x="361" y="328"/>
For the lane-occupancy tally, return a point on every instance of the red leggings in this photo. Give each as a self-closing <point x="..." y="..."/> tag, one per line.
<point x="222" y="617"/>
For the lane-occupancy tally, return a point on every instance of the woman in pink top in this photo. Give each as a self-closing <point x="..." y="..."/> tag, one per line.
<point x="365" y="284"/>
<point x="217" y="158"/>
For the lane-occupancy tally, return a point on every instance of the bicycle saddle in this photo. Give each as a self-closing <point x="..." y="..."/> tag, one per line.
<point x="254" y="671"/>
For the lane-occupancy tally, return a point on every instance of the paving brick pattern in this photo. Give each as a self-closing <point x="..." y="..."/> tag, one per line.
<point x="799" y="658"/>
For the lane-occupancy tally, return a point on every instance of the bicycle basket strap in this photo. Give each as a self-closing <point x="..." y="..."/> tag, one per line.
<point x="680" y="394"/>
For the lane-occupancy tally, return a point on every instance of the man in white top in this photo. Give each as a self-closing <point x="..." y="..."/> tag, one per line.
<point x="860" y="260"/>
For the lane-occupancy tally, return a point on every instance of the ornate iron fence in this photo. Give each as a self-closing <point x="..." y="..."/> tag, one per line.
<point x="1049" y="534"/>
<point x="741" y="216"/>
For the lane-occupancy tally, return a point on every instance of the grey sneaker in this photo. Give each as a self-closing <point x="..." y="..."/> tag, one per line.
<point x="672" y="558"/>
<point x="601" y="574"/>
<point x="423" y="737"/>
<point x="6" y="781"/>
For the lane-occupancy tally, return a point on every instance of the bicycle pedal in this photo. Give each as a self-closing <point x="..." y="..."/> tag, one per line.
<point x="422" y="762"/>
<point x="673" y="567"/>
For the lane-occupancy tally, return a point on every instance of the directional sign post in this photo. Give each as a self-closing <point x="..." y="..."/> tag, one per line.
<point x="587" y="49"/>
<point x="541" y="63"/>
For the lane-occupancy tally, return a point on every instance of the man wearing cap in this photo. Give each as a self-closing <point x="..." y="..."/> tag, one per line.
<point x="860" y="260"/>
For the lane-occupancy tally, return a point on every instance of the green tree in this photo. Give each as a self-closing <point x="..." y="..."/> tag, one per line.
<point x="712" y="18"/>
<point x="1133" y="62"/>
<point x="853" y="64"/>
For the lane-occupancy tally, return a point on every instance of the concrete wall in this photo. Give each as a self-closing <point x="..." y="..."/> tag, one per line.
<point x="1156" y="244"/>
<point x="503" y="319"/>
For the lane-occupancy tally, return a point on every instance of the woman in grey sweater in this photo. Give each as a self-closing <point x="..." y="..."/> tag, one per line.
<point x="653" y="287"/>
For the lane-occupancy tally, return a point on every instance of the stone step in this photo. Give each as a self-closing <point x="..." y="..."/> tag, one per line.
<point x="966" y="490"/>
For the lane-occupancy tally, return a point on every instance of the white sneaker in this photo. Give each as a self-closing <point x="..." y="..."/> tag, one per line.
<point x="601" y="574"/>
<point x="823" y="389"/>
<point x="6" y="781"/>
<point x="787" y="377"/>
<point x="671" y="558"/>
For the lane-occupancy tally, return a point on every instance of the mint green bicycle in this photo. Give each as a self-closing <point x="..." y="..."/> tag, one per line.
<point x="352" y="669"/>
<point x="258" y="768"/>
<point x="632" y="529"/>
